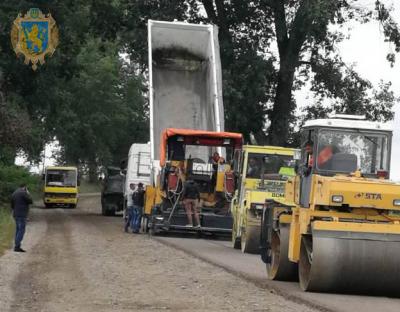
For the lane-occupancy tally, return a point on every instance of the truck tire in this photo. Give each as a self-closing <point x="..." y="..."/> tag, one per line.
<point x="107" y="212"/>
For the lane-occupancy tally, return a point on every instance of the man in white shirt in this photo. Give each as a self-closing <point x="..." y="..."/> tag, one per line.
<point x="129" y="206"/>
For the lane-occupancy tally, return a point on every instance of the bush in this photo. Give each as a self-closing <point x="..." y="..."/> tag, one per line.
<point x="12" y="176"/>
<point x="6" y="229"/>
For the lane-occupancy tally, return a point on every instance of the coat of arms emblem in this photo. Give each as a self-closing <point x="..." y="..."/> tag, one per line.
<point x="34" y="35"/>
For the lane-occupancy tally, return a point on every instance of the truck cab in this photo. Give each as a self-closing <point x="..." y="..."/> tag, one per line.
<point x="60" y="186"/>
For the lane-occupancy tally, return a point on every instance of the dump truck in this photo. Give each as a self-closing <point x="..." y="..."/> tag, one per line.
<point x="185" y="83"/>
<point x="262" y="172"/>
<point x="185" y="90"/>
<point x="341" y="230"/>
<point x="215" y="181"/>
<point x="60" y="186"/>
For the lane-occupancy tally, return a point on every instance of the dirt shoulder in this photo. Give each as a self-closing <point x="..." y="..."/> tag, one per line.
<point x="78" y="260"/>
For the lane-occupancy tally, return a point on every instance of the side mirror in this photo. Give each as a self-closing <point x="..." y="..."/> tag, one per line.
<point x="124" y="171"/>
<point x="43" y="176"/>
<point x="79" y="183"/>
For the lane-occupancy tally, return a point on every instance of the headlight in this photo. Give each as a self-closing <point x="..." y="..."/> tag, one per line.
<point x="337" y="198"/>
<point x="396" y="202"/>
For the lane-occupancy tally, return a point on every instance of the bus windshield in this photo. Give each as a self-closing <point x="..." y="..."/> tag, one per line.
<point x="63" y="178"/>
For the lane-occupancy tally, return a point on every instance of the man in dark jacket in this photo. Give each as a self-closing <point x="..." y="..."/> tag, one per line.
<point x="191" y="198"/>
<point x="138" y="203"/>
<point x="20" y="202"/>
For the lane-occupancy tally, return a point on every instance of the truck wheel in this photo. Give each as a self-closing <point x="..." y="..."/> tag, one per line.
<point x="72" y="206"/>
<point x="107" y="212"/>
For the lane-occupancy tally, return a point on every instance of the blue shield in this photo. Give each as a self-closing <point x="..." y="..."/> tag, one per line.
<point x="35" y="36"/>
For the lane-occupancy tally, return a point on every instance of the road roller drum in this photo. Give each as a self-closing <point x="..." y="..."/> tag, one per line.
<point x="364" y="263"/>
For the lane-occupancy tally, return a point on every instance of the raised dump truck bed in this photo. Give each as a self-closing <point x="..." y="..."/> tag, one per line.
<point x="184" y="79"/>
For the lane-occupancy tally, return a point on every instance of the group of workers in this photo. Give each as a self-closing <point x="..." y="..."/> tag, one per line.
<point x="135" y="203"/>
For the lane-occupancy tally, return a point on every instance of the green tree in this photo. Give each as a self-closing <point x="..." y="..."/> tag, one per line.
<point x="32" y="92"/>
<point x="102" y="112"/>
<point x="83" y="96"/>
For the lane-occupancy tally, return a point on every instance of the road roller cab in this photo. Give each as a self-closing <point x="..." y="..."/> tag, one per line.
<point x="262" y="172"/>
<point x="342" y="230"/>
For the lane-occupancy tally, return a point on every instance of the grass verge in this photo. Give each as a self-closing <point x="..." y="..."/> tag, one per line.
<point x="6" y="229"/>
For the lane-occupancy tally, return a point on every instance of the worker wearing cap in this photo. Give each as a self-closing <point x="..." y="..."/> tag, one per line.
<point x="138" y="203"/>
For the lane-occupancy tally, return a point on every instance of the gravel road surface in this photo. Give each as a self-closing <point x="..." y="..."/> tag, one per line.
<point x="77" y="260"/>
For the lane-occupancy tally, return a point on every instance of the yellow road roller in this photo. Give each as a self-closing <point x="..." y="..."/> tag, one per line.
<point x="262" y="172"/>
<point x="341" y="232"/>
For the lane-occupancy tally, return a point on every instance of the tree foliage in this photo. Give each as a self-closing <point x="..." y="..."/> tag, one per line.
<point x="83" y="96"/>
<point x="91" y="95"/>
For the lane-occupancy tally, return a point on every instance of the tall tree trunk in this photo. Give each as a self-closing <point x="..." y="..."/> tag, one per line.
<point x="283" y="106"/>
<point x="290" y="39"/>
